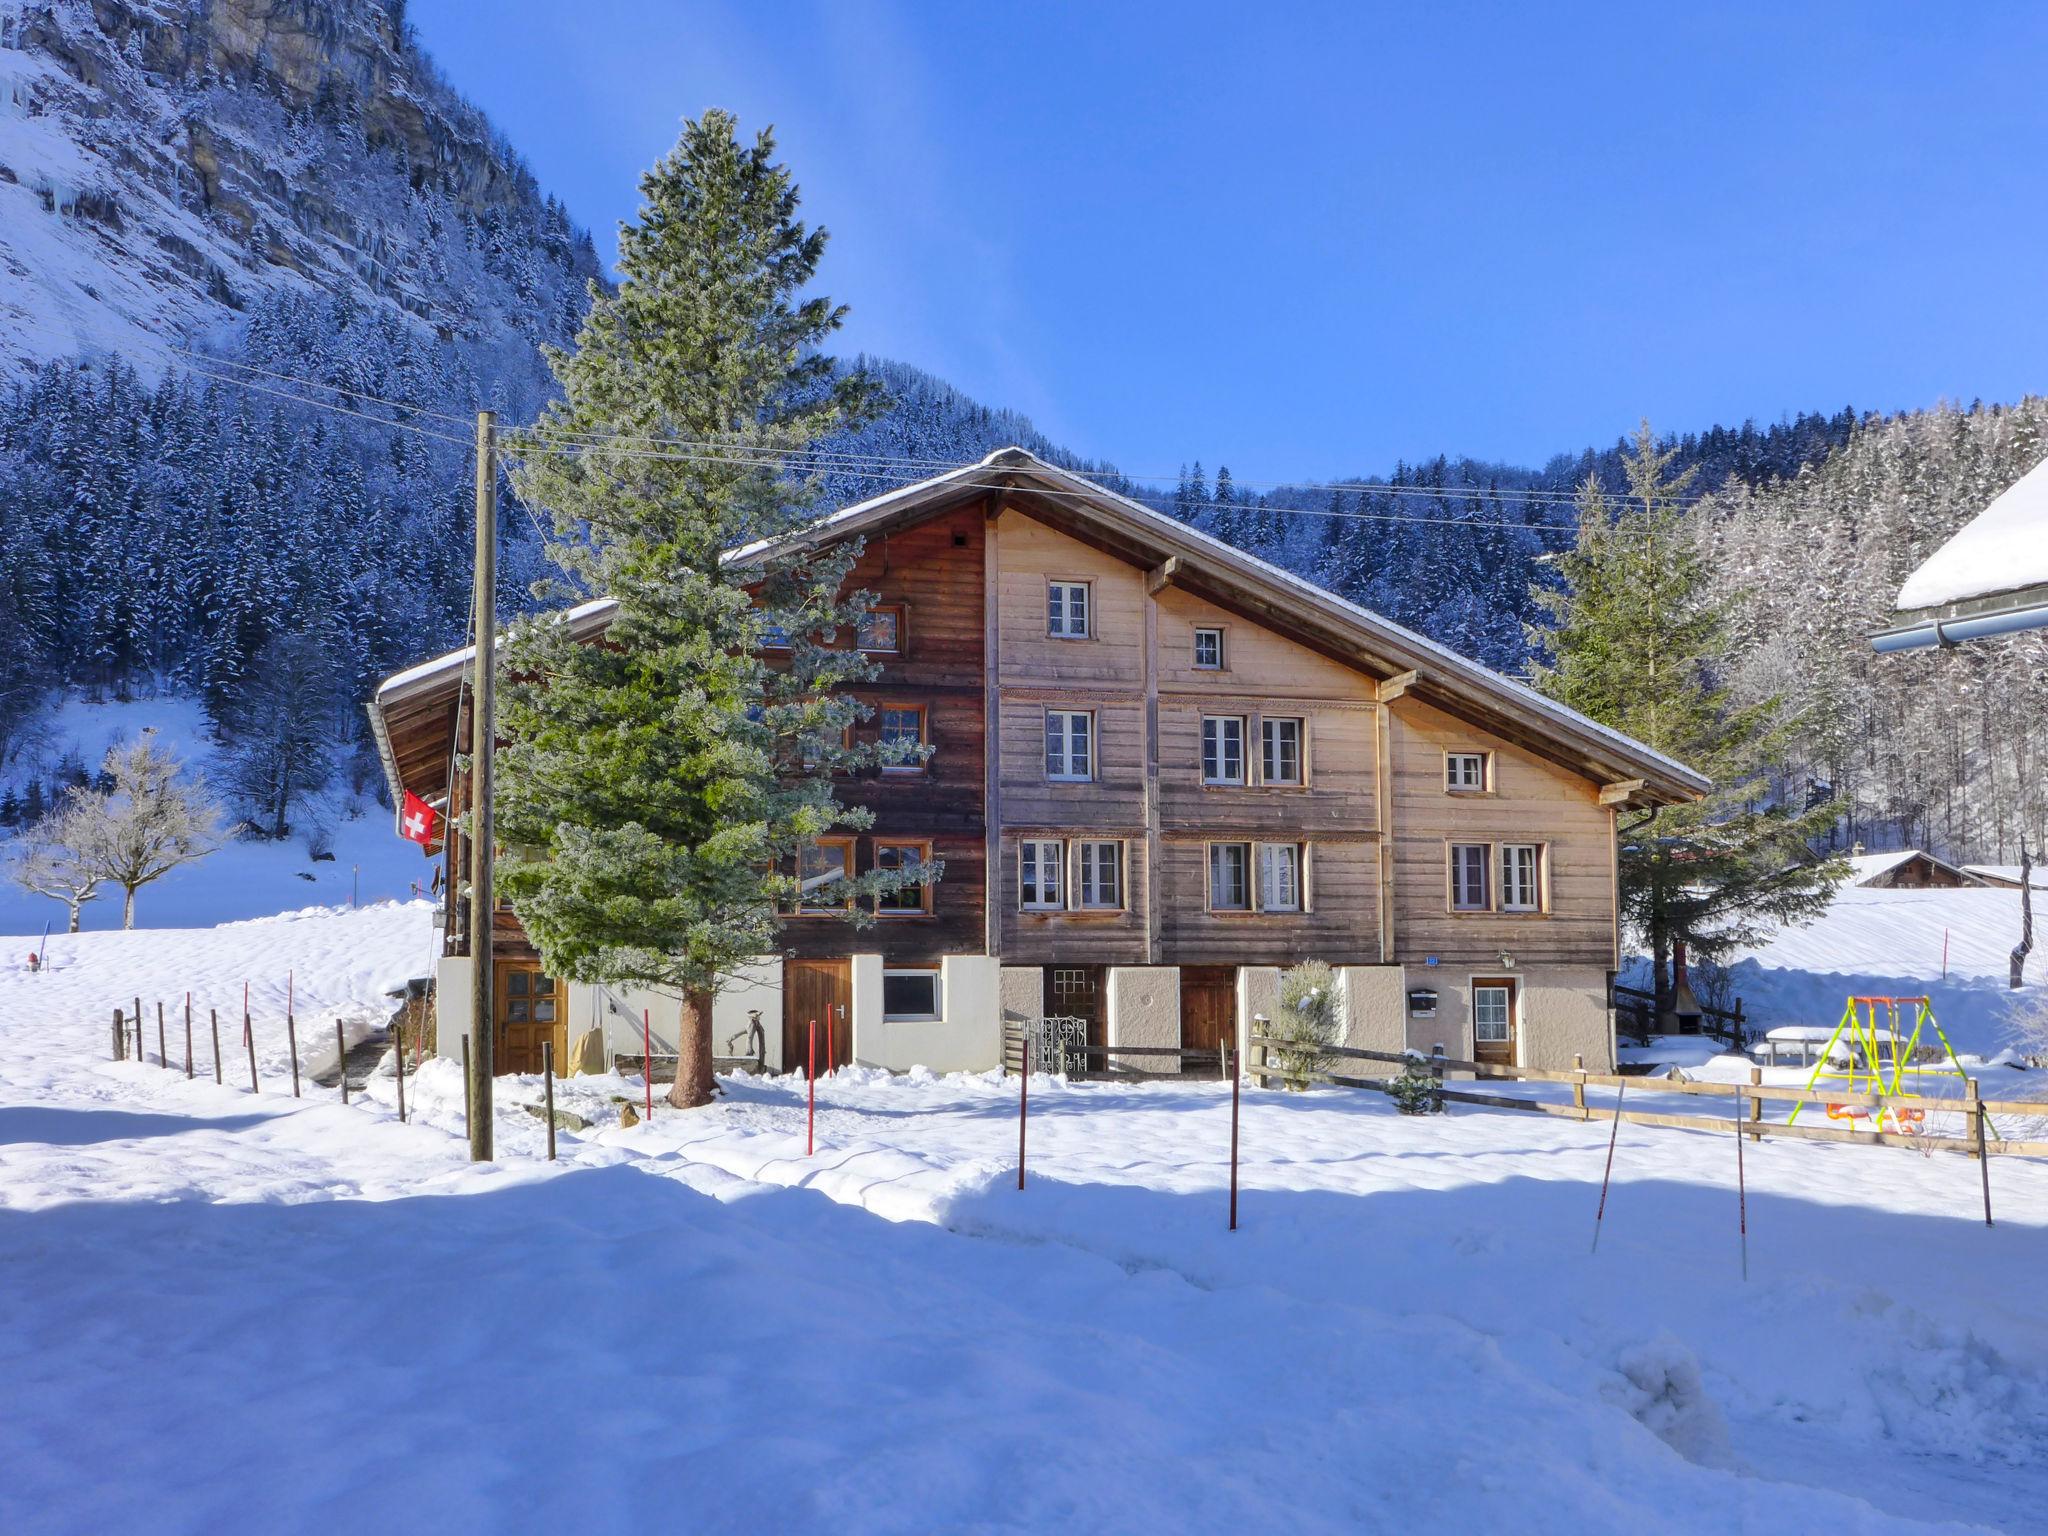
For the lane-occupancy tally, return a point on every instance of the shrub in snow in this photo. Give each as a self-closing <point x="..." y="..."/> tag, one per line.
<point x="1416" y="1091"/>
<point x="2030" y="1031"/>
<point x="1307" y="1019"/>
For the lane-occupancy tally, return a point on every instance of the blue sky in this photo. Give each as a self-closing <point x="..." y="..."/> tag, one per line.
<point x="1309" y="240"/>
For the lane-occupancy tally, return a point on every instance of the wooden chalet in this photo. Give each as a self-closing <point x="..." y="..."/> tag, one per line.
<point x="1162" y="770"/>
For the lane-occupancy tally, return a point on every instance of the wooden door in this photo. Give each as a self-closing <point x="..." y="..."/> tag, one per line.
<point x="1494" y="1021"/>
<point x="532" y="1008"/>
<point x="1208" y="1007"/>
<point x="821" y="990"/>
<point x="1075" y="992"/>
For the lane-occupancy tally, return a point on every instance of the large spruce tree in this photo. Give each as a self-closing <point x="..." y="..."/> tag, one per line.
<point x="657" y="787"/>
<point x="1636" y="640"/>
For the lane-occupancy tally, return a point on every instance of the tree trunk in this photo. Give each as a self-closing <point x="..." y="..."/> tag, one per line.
<point x="127" y="906"/>
<point x="74" y="916"/>
<point x="693" y="1053"/>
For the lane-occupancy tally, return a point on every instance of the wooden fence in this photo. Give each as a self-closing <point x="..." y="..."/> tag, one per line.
<point x="1751" y="1096"/>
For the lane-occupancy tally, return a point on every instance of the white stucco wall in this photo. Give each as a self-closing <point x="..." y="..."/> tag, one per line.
<point x="1143" y="1008"/>
<point x="1562" y="1012"/>
<point x="967" y="1037"/>
<point x="753" y="987"/>
<point x="1373" y="1003"/>
<point x="1023" y="993"/>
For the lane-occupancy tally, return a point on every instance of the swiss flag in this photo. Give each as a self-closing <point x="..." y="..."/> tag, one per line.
<point x="419" y="821"/>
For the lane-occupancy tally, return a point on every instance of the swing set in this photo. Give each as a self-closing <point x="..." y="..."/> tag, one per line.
<point x="1878" y="1057"/>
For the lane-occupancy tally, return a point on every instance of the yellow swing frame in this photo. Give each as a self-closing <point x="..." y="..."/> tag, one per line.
<point x="1861" y="1023"/>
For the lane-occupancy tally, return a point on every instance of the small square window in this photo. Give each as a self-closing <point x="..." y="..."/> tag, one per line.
<point x="881" y="630"/>
<point x="1223" y="749"/>
<point x="1465" y="772"/>
<point x="911" y="996"/>
<point x="1209" y="650"/>
<point x="1066" y="610"/>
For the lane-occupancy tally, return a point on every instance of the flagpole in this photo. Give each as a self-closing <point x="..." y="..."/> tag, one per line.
<point x="482" y="899"/>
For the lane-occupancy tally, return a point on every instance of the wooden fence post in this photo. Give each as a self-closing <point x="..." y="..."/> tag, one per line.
<point x="1579" y="1085"/>
<point x="214" y="1015"/>
<point x="1981" y="1153"/>
<point x="547" y="1069"/>
<point x="811" y="1094"/>
<point x="188" y="1037"/>
<point x="120" y="1035"/>
<point x="468" y="1093"/>
<point x="163" y="1055"/>
<point x="1260" y="1025"/>
<point x="138" y="1030"/>
<point x="249" y="1035"/>
<point x="1235" y="1076"/>
<point x="341" y="1058"/>
<point x="398" y="1061"/>
<point x="291" y="1035"/>
<point x="1756" y="1105"/>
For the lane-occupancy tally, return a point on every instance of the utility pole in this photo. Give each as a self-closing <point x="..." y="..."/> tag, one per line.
<point x="483" y="717"/>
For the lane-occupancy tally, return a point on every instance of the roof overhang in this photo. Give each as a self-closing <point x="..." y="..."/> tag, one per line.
<point x="1979" y="618"/>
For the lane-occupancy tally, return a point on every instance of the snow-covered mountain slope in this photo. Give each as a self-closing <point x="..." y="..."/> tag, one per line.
<point x="165" y="165"/>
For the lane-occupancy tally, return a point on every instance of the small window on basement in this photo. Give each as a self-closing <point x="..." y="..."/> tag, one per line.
<point x="911" y="997"/>
<point x="1209" y="650"/>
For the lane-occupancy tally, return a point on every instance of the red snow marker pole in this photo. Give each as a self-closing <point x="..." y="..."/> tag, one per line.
<point x="647" y="1071"/>
<point x="811" y="1088"/>
<point x="1023" y="1108"/>
<point x="1741" y="1186"/>
<point x="1236" y="1076"/>
<point x="1612" y="1137"/>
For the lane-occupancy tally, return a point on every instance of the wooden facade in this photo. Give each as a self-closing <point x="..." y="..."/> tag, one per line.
<point x="1268" y="773"/>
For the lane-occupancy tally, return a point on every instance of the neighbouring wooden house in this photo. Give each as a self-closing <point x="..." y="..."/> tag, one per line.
<point x="1907" y="869"/>
<point x="1162" y="770"/>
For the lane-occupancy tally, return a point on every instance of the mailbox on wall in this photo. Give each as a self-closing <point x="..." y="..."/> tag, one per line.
<point x="1422" y="1004"/>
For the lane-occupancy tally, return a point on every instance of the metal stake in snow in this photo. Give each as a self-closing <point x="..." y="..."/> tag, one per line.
<point x="1741" y="1186"/>
<point x="1612" y="1136"/>
<point x="647" y="1060"/>
<point x="1236" y="1078"/>
<point x="1023" y="1108"/>
<point x="188" y="1037"/>
<point x="291" y="1034"/>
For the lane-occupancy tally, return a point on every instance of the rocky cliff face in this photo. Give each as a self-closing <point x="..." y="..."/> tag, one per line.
<point x="166" y="165"/>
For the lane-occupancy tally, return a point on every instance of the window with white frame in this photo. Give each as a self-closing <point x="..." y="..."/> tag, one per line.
<point x="1066" y="610"/>
<point x="1209" y="649"/>
<point x="1280" y="750"/>
<point x="1223" y="749"/>
<point x="1468" y="877"/>
<point x="911" y="996"/>
<point x="1279" y="877"/>
<point x="1465" y="772"/>
<point x="1521" y="877"/>
<point x="1069" y="745"/>
<point x="1098" y="876"/>
<point x="1230" y="888"/>
<point x="1041" y="874"/>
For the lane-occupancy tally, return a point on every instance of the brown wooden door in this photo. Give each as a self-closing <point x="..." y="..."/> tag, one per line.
<point x="1075" y="992"/>
<point x="1495" y="1020"/>
<point x="532" y="1007"/>
<point x="821" y="990"/>
<point x="1208" y="1006"/>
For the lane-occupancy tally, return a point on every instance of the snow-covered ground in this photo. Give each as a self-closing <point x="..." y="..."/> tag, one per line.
<point x="230" y="1312"/>
<point x="245" y="878"/>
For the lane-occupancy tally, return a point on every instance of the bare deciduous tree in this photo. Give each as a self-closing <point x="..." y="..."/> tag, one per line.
<point x="51" y="861"/>
<point x="146" y="825"/>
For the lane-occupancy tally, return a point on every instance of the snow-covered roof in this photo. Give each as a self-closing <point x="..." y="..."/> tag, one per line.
<point x="1865" y="867"/>
<point x="412" y="679"/>
<point x="2003" y="549"/>
<point x="2009" y="874"/>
